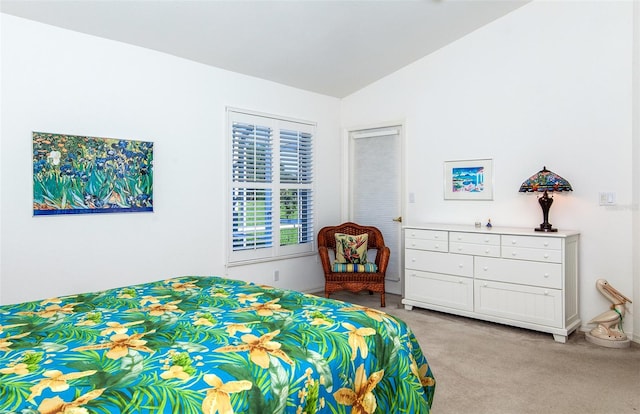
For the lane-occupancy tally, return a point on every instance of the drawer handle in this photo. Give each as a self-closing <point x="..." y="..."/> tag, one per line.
<point x="546" y="244"/>
<point x="485" y="268"/>
<point x="460" y="265"/>
<point x="460" y="281"/>
<point x="437" y="246"/>
<point x="459" y="248"/>
<point x="546" y="275"/>
<point x="486" y="251"/>
<point x="413" y="259"/>
<point x="546" y="292"/>
<point x="546" y="256"/>
<point x="514" y="254"/>
<point x="459" y="238"/>
<point x="485" y="284"/>
<point x="413" y="245"/>
<point x="513" y="242"/>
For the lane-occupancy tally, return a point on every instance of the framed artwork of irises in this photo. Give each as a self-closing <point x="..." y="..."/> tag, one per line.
<point x="468" y="180"/>
<point x="77" y="175"/>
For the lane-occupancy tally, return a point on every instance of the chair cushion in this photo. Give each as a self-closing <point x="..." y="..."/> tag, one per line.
<point x="355" y="268"/>
<point x="351" y="249"/>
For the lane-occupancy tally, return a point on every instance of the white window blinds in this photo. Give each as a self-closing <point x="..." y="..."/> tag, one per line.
<point x="252" y="153"/>
<point x="271" y="208"/>
<point x="295" y="157"/>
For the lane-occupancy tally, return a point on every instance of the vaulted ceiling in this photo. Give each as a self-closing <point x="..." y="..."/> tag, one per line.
<point x="329" y="47"/>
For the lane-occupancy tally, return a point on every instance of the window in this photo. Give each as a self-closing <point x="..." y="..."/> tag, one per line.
<point x="271" y="187"/>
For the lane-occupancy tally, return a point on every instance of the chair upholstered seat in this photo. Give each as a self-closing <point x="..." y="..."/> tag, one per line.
<point x="353" y="281"/>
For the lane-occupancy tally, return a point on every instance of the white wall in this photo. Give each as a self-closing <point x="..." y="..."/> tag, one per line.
<point x="547" y="85"/>
<point x="59" y="81"/>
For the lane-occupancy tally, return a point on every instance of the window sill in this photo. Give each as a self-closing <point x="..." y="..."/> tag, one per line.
<point x="269" y="259"/>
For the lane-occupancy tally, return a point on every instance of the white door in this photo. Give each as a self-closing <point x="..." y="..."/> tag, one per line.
<point x="375" y="190"/>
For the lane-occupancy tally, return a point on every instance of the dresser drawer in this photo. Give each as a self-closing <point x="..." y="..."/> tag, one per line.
<point x="426" y="244"/>
<point x="532" y="242"/>
<point x="446" y="263"/>
<point x="540" y="255"/>
<point x="427" y="234"/>
<point x="519" y="303"/>
<point x="476" y="238"/>
<point x="474" y="249"/>
<point x="548" y="275"/>
<point x="437" y="289"/>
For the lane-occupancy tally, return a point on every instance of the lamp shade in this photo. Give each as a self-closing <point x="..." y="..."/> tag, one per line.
<point x="545" y="180"/>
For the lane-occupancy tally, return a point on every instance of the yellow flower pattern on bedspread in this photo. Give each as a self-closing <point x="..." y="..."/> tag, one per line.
<point x="207" y="345"/>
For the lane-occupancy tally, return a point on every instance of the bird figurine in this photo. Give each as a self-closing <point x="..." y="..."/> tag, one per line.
<point x="610" y="322"/>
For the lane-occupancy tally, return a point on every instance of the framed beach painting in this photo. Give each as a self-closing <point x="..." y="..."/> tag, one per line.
<point x="468" y="180"/>
<point x="79" y="174"/>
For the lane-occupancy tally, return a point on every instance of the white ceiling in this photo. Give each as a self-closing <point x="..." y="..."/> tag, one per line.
<point x="330" y="47"/>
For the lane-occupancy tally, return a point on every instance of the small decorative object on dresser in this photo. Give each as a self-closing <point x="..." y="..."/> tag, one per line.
<point x="513" y="276"/>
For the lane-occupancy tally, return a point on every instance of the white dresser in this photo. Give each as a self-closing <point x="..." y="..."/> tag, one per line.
<point x="514" y="276"/>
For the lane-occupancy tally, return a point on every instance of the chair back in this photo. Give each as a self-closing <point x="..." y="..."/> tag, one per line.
<point x="326" y="235"/>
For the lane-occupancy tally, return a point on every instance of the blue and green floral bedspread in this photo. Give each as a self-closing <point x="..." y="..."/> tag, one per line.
<point x="207" y="345"/>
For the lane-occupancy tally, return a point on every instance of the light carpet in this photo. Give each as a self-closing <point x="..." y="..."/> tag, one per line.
<point x="482" y="367"/>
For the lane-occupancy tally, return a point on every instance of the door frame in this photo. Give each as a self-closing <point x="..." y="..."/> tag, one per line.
<point x="346" y="171"/>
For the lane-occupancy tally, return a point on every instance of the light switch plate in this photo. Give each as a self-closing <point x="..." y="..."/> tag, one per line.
<point x="607" y="198"/>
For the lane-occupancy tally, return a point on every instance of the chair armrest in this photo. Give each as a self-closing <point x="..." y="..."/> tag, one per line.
<point x="382" y="259"/>
<point x="324" y="258"/>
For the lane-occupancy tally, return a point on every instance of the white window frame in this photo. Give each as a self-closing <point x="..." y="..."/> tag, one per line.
<point x="275" y="251"/>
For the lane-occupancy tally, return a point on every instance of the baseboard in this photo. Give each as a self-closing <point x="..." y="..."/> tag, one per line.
<point x="318" y="291"/>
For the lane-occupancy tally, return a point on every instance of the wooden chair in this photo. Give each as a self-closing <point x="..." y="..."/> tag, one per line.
<point x="354" y="282"/>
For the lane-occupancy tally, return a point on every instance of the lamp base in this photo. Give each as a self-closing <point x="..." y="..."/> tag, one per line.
<point x="551" y="230"/>
<point x="545" y="202"/>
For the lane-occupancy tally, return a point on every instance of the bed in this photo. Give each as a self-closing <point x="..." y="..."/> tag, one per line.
<point x="207" y="345"/>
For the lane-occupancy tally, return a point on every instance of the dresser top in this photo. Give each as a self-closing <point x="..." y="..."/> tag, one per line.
<point x="469" y="228"/>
